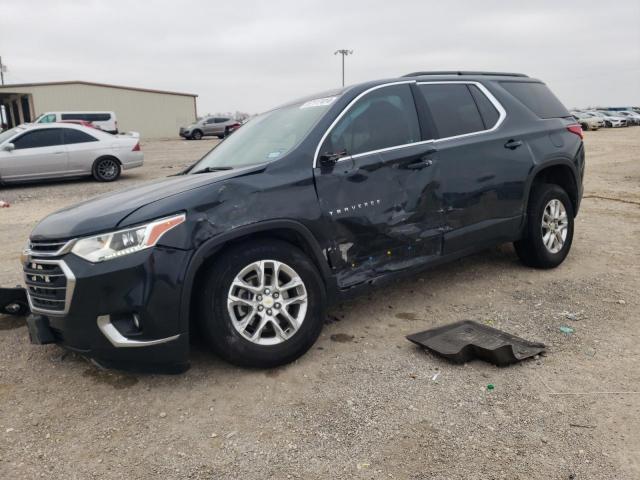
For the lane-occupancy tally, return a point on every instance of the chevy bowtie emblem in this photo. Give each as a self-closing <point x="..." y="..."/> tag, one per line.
<point x="353" y="208"/>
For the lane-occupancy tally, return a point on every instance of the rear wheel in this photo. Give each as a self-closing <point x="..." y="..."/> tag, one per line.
<point x="262" y="304"/>
<point x="196" y="135"/>
<point x="549" y="230"/>
<point x="106" y="169"/>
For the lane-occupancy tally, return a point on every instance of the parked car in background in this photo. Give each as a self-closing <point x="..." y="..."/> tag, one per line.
<point x="612" y="121"/>
<point x="105" y="121"/>
<point x="210" y="126"/>
<point x="305" y="205"/>
<point x="633" y="118"/>
<point x="586" y="121"/>
<point x="39" y="151"/>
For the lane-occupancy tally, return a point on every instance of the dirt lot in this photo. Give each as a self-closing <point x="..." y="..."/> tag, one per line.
<point x="363" y="403"/>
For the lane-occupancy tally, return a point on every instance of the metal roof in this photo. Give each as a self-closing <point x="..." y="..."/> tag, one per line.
<point x="93" y="84"/>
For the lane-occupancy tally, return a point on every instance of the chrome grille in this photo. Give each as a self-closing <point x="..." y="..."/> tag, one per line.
<point x="49" y="248"/>
<point x="49" y="284"/>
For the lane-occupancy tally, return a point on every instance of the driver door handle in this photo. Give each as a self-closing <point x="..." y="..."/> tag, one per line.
<point x="513" y="144"/>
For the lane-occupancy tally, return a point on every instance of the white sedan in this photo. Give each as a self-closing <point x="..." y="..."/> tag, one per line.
<point x="55" y="150"/>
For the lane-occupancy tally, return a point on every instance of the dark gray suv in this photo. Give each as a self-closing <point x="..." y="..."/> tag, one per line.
<point x="308" y="204"/>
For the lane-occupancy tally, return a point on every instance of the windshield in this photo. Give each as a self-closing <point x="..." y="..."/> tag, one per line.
<point x="267" y="137"/>
<point x="6" y="135"/>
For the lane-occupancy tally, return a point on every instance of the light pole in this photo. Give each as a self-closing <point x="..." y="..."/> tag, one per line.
<point x="344" y="53"/>
<point x="2" y="70"/>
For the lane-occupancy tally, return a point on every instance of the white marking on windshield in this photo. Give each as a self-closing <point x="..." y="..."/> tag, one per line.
<point x="318" y="102"/>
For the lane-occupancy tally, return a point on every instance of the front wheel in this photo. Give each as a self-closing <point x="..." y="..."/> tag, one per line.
<point x="106" y="169"/>
<point x="196" y="135"/>
<point x="262" y="304"/>
<point x="549" y="231"/>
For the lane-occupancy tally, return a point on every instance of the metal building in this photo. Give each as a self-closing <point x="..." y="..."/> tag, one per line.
<point x="153" y="113"/>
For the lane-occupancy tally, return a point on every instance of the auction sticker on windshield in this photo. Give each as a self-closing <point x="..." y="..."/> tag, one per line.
<point x="318" y="102"/>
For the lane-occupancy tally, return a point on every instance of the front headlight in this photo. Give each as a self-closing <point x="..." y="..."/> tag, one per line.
<point x="123" y="242"/>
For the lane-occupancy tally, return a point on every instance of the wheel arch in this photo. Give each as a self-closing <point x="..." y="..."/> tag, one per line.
<point x="560" y="172"/>
<point x="106" y="155"/>
<point x="290" y="231"/>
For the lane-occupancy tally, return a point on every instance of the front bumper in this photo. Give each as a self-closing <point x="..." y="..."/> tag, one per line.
<point x="123" y="313"/>
<point x="185" y="133"/>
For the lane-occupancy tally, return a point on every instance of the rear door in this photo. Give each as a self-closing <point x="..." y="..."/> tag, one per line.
<point x="482" y="166"/>
<point x="209" y="126"/>
<point x="38" y="154"/>
<point x="82" y="150"/>
<point x="379" y="196"/>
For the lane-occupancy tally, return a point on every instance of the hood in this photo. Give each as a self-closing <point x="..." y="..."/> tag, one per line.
<point x="104" y="212"/>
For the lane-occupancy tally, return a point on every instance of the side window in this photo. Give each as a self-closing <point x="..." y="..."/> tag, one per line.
<point x="453" y="109"/>
<point x="488" y="112"/>
<point x="383" y="118"/>
<point x="48" y="118"/>
<point x="76" y="136"/>
<point x="39" y="138"/>
<point x="87" y="117"/>
<point x="98" y="117"/>
<point x="221" y="120"/>
<point x="212" y="120"/>
<point x="73" y="116"/>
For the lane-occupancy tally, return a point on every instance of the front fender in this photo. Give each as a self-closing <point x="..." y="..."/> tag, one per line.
<point x="210" y="247"/>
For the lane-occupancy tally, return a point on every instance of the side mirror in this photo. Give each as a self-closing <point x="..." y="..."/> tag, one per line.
<point x="329" y="159"/>
<point x="8" y="147"/>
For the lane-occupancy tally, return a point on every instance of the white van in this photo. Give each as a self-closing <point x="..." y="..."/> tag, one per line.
<point x="105" y="121"/>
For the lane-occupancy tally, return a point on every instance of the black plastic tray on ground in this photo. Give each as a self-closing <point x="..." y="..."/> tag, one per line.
<point x="466" y="340"/>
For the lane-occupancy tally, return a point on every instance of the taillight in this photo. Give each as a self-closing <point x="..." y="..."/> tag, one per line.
<point x="136" y="148"/>
<point x="577" y="129"/>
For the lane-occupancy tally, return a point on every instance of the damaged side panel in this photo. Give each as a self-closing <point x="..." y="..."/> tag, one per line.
<point x="384" y="215"/>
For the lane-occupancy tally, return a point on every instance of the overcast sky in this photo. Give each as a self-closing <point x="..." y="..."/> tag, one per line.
<point x="252" y="55"/>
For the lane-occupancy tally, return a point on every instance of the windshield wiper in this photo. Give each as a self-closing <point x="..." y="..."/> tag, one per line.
<point x="211" y="169"/>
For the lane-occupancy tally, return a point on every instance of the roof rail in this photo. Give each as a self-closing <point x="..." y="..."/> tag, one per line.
<point x="457" y="72"/>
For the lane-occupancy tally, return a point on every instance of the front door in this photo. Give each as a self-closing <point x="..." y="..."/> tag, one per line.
<point x="37" y="154"/>
<point x="380" y="195"/>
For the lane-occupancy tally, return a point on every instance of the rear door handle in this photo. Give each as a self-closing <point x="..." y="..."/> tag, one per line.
<point x="513" y="144"/>
<point x="420" y="164"/>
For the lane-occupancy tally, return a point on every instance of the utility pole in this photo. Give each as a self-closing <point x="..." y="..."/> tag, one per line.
<point x="344" y="53"/>
<point x="2" y="68"/>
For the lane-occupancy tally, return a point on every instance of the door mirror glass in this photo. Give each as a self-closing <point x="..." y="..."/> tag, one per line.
<point x="8" y="147"/>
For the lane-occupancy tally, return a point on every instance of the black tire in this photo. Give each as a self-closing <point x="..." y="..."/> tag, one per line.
<point x="196" y="135"/>
<point x="584" y="126"/>
<point x="220" y="136"/>
<point x="215" y="321"/>
<point x="106" y="169"/>
<point x="531" y="248"/>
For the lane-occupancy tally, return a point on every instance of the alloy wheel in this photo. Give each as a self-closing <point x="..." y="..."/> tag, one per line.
<point x="554" y="226"/>
<point x="108" y="169"/>
<point x="267" y="302"/>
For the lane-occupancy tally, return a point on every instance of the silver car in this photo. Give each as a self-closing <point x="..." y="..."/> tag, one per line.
<point x="55" y="150"/>
<point x="210" y="126"/>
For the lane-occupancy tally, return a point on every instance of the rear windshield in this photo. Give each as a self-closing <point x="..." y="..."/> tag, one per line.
<point x="538" y="98"/>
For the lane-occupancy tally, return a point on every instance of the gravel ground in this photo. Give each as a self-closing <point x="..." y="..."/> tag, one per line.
<point x="364" y="402"/>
